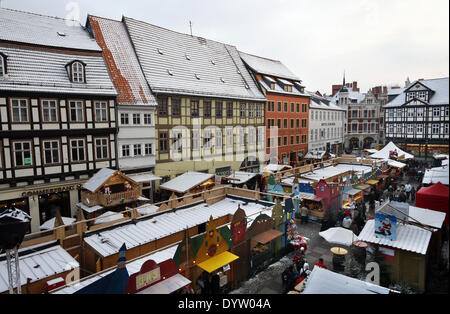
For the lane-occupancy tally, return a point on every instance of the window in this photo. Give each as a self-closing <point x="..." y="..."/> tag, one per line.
<point x="136" y="118"/>
<point x="374" y="114"/>
<point x="242" y="110"/>
<point x="22" y="154"/>
<point x="292" y="107"/>
<point x="272" y="85"/>
<point x="195" y="140"/>
<point x="218" y="139"/>
<point x="303" y="138"/>
<point x="219" y="109"/>
<point x="365" y="114"/>
<point x="269" y="140"/>
<point x="297" y="138"/>
<point x="162" y="106"/>
<point x="19" y="108"/>
<point x="207" y="109"/>
<point x="251" y="136"/>
<point x="101" y="111"/>
<point x="446" y="111"/>
<point x="304" y="123"/>
<point x="76" y="111"/>
<point x="298" y="107"/>
<point x="391" y="113"/>
<point x="419" y="128"/>
<point x="148" y="149"/>
<point x="435" y="128"/>
<point x="391" y="128"/>
<point x="423" y="96"/>
<point x="419" y="112"/>
<point x="147" y="118"/>
<point x="124" y="118"/>
<point x="410" y="112"/>
<point x="279" y="141"/>
<point x="229" y="109"/>
<point x="445" y="128"/>
<point x="297" y="123"/>
<point x="279" y="106"/>
<point x="410" y="128"/>
<point x="176" y="107"/>
<point x="163" y="142"/>
<point x="279" y="123"/>
<point x="207" y="136"/>
<point x="177" y="141"/>
<point x="399" y="112"/>
<point x="101" y="148"/>
<point x="137" y="150"/>
<point x="292" y="140"/>
<point x="372" y="127"/>
<point x="51" y="152"/>
<point x="77" y="150"/>
<point x="354" y="127"/>
<point x="285" y="123"/>
<point x="77" y="72"/>
<point x="354" y="113"/>
<point x="194" y="108"/>
<point x="285" y="142"/>
<point x="399" y="128"/>
<point x="251" y="110"/>
<point x="126" y="150"/>
<point x="49" y="111"/>
<point x="2" y="65"/>
<point x="304" y="107"/>
<point x="285" y="107"/>
<point x="292" y="123"/>
<point x="436" y="112"/>
<point x="258" y="110"/>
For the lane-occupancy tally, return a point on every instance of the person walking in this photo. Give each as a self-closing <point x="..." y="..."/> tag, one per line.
<point x="413" y="195"/>
<point x="408" y="191"/>
<point x="304" y="214"/>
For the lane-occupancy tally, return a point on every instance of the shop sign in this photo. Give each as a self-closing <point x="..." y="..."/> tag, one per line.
<point x="52" y="190"/>
<point x="224" y="171"/>
<point x="27" y="161"/>
<point x="385" y="226"/>
<point x="145" y="279"/>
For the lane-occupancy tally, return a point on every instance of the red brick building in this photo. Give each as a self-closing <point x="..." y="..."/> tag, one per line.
<point x="286" y="112"/>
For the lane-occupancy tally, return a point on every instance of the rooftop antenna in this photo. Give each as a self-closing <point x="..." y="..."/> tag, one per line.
<point x="190" y="26"/>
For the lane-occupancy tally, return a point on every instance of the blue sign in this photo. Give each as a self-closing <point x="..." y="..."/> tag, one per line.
<point x="385" y="226"/>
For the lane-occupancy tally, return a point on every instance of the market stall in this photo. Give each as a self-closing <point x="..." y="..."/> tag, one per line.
<point x="352" y="196"/>
<point x="435" y="197"/>
<point x="294" y="239"/>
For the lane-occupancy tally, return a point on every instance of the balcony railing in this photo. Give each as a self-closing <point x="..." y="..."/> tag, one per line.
<point x="119" y="198"/>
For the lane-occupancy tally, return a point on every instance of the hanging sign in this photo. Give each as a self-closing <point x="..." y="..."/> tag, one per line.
<point x="147" y="278"/>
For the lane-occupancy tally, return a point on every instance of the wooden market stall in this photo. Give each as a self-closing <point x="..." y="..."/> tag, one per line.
<point x="191" y="182"/>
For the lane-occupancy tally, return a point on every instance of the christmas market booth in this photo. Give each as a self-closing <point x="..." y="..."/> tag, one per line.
<point x="435" y="197"/>
<point x="108" y="190"/>
<point x="242" y="179"/>
<point x="191" y="182"/>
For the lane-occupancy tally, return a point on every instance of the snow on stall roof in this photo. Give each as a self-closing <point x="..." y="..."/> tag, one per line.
<point x="324" y="281"/>
<point x="432" y="218"/>
<point x="276" y="167"/>
<point x="144" y="177"/>
<point x="89" y="209"/>
<point x="384" y="152"/>
<point x="160" y="50"/>
<point x="144" y="231"/>
<point x="147" y="209"/>
<point x="107" y="216"/>
<point x="44" y="71"/>
<point x="290" y="181"/>
<point x="409" y="238"/>
<point x="37" y="263"/>
<point x="317" y="154"/>
<point x="124" y="67"/>
<point x="331" y="171"/>
<point x="132" y="268"/>
<point x="98" y="179"/>
<point x="268" y="66"/>
<point x="186" y="181"/>
<point x="435" y="175"/>
<point x="37" y="29"/>
<point x="242" y="176"/>
<point x="49" y="224"/>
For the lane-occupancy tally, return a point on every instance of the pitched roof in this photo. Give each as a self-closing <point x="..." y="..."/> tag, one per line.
<point x="176" y="63"/>
<point x="98" y="179"/>
<point x="409" y="238"/>
<point x="435" y="175"/>
<point x="426" y="216"/>
<point x="440" y="95"/>
<point x="268" y="66"/>
<point x="36" y="29"/>
<point x="186" y="181"/>
<point x="122" y="62"/>
<point x="384" y="152"/>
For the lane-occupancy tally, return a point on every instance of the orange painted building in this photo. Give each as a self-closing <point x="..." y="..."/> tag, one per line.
<point x="286" y="112"/>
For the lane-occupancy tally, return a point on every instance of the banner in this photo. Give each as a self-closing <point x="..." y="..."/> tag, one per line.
<point x="385" y="226"/>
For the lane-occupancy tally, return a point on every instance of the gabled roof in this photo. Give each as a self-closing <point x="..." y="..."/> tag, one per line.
<point x="384" y="152"/>
<point x="122" y="62"/>
<point x="37" y="29"/>
<point x="186" y="181"/>
<point x="176" y="63"/>
<point x="440" y="95"/>
<point x="98" y="179"/>
<point x="268" y="66"/>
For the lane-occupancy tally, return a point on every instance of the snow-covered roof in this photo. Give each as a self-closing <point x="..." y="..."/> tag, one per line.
<point x="395" y="91"/>
<point x="147" y="209"/>
<point x="435" y="175"/>
<point x="409" y="238"/>
<point x="37" y="29"/>
<point x="186" y="181"/>
<point x="176" y="63"/>
<point x="324" y="281"/>
<point x="109" y="241"/>
<point x="89" y="209"/>
<point x="132" y="268"/>
<point x="371" y="150"/>
<point x="276" y="167"/>
<point x="122" y="62"/>
<point x="38" y="262"/>
<point x="441" y="156"/>
<point x="107" y="217"/>
<point x="45" y="71"/>
<point x="144" y="177"/>
<point x="395" y="163"/>
<point x="296" y="91"/>
<point x="384" y="152"/>
<point x="49" y="224"/>
<point x="432" y="218"/>
<point x="241" y="176"/>
<point x="317" y="154"/>
<point x="290" y="181"/>
<point x="440" y="95"/>
<point x="351" y="95"/>
<point x="98" y="179"/>
<point x="268" y="66"/>
<point x="331" y="171"/>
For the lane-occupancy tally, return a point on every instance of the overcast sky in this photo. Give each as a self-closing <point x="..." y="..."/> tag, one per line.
<point x="374" y="41"/>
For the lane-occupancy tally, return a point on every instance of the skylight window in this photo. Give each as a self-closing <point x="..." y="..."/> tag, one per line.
<point x="160" y="51"/>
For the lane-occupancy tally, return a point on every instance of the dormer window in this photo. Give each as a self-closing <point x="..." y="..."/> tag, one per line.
<point x="272" y="85"/>
<point x="2" y="65"/>
<point x="288" y="88"/>
<point x="76" y="70"/>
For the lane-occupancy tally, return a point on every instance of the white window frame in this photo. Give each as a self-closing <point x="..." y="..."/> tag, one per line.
<point x="419" y="128"/>
<point x="22" y="152"/>
<point x="446" y="128"/>
<point x="47" y="106"/>
<point x="391" y="128"/>
<point x="2" y="66"/>
<point x="124" y="116"/>
<point x="218" y="139"/>
<point x="195" y="140"/>
<point x="137" y="149"/>
<point x="78" y="111"/>
<point x="410" y="128"/>
<point x="148" y="149"/>
<point x="136" y="119"/>
<point x="78" y="148"/>
<point x="419" y="112"/>
<point x="19" y="105"/>
<point x="125" y="148"/>
<point x="77" y="72"/>
<point x="435" y="127"/>
<point x="148" y="119"/>
<point x="251" y="110"/>
<point x="436" y="112"/>
<point x="102" y="145"/>
<point x="52" y="150"/>
<point x="101" y="111"/>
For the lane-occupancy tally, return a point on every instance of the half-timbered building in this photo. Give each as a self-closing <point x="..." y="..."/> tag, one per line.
<point x="417" y="120"/>
<point x="57" y="114"/>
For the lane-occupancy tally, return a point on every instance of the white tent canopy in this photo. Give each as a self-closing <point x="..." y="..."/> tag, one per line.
<point x="384" y="153"/>
<point x="339" y="235"/>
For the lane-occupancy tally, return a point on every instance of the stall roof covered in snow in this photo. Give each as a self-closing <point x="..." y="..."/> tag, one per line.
<point x="331" y="171"/>
<point x="384" y="152"/>
<point x="132" y="268"/>
<point x="409" y="238"/>
<point x="124" y="66"/>
<point x="176" y="63"/>
<point x="186" y="181"/>
<point x="435" y="175"/>
<point x="268" y="66"/>
<point x="439" y="95"/>
<point x="109" y="241"/>
<point x="276" y="167"/>
<point x="316" y="154"/>
<point x="38" y="262"/>
<point x="432" y="218"/>
<point x="241" y="177"/>
<point x="98" y="179"/>
<point x="324" y="281"/>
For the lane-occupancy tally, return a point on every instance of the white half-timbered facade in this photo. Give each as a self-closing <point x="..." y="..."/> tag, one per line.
<point x="418" y="118"/>
<point x="57" y="114"/>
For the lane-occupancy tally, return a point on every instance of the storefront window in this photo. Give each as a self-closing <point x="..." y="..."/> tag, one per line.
<point x="49" y="204"/>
